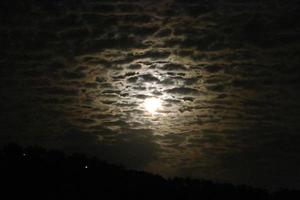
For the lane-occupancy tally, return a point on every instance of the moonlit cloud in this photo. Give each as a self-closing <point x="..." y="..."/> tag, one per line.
<point x="78" y="78"/>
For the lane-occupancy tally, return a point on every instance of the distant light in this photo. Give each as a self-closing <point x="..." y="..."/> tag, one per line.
<point x="152" y="105"/>
<point x="86" y="167"/>
<point x="24" y="154"/>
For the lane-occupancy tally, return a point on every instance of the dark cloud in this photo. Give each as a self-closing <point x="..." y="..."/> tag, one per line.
<point x="216" y="88"/>
<point x="132" y="79"/>
<point x="152" y="54"/>
<point x="124" y="42"/>
<point x="138" y="30"/>
<point x="188" y="98"/>
<point x="142" y="96"/>
<point x="72" y="75"/>
<point x="91" y="85"/>
<point x="213" y="68"/>
<point x="135" y="150"/>
<point x="148" y="78"/>
<point x="163" y="32"/>
<point x="184" y="91"/>
<point x="167" y="81"/>
<point x="246" y="84"/>
<point x="134" y="66"/>
<point x="173" y="67"/>
<point x="58" y="91"/>
<point x="172" y="101"/>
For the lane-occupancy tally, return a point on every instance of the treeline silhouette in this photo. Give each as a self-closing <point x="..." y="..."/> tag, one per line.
<point x="36" y="173"/>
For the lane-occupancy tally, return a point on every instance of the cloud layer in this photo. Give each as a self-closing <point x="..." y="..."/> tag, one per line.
<point x="74" y="75"/>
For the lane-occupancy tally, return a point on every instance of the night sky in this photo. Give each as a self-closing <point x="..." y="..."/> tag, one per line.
<point x="75" y="75"/>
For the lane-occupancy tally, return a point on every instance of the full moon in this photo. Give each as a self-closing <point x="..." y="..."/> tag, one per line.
<point x="152" y="105"/>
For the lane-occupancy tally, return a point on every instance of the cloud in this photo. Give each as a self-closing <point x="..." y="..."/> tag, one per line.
<point x="163" y="32"/>
<point x="138" y="30"/>
<point x="152" y="54"/>
<point x="132" y="79"/>
<point x="167" y="81"/>
<point x="213" y="68"/>
<point x="173" y="67"/>
<point x="131" y="148"/>
<point x="183" y="91"/>
<point x="141" y="96"/>
<point x="123" y="42"/>
<point x="216" y="88"/>
<point x="53" y="91"/>
<point x="72" y="75"/>
<point x="148" y="78"/>
<point x="246" y="84"/>
<point x="227" y="78"/>
<point x="134" y="66"/>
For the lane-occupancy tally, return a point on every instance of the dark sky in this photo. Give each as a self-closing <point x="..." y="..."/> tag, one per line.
<point x="74" y="75"/>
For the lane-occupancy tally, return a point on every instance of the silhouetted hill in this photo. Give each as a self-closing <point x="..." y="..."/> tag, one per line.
<point x="38" y="173"/>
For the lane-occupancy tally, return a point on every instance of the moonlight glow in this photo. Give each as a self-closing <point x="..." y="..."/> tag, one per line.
<point x="152" y="105"/>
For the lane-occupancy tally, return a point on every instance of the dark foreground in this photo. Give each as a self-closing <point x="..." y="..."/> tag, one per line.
<point x="38" y="173"/>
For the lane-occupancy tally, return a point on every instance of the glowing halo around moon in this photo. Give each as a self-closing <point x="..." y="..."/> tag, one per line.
<point x="152" y="105"/>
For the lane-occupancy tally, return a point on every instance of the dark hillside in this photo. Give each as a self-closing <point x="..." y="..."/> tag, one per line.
<point x="49" y="174"/>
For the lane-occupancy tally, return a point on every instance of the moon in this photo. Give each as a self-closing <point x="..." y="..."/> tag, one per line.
<point x="152" y="105"/>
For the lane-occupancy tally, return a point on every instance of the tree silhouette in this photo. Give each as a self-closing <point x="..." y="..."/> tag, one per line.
<point x="36" y="173"/>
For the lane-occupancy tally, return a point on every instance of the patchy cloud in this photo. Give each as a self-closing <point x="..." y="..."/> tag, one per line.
<point x="183" y="91"/>
<point x="75" y="76"/>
